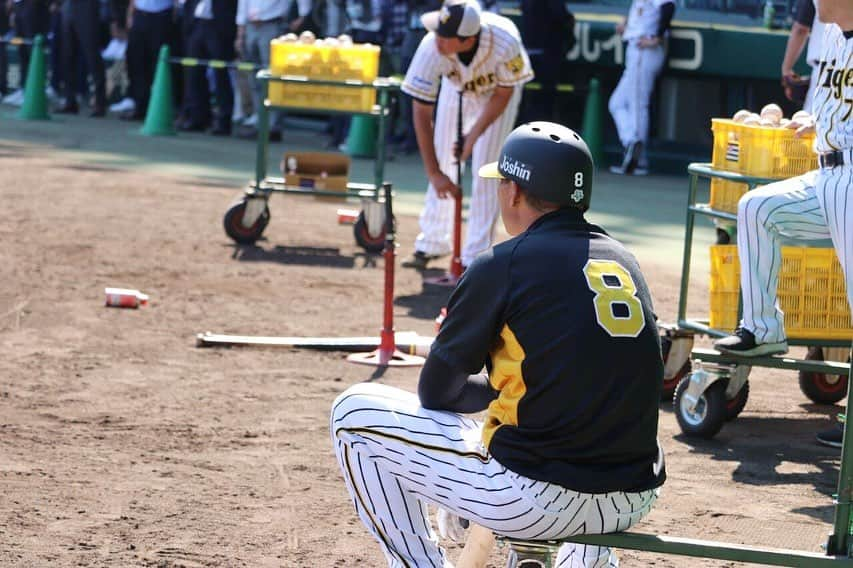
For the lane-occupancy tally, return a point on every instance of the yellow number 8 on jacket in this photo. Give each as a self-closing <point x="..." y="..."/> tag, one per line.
<point x="617" y="308"/>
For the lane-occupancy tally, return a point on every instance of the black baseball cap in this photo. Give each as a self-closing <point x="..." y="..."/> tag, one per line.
<point x="456" y="18"/>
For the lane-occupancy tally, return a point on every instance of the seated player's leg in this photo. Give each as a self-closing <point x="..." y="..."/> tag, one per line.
<point x="786" y="208"/>
<point x="397" y="457"/>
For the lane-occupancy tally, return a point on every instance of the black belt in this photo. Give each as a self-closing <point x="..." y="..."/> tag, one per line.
<point x="831" y="159"/>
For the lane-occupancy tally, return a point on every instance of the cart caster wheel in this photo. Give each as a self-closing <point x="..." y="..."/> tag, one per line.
<point x="820" y="387"/>
<point x="233" y="223"/>
<point x="513" y="561"/>
<point x="709" y="415"/>
<point x="669" y="384"/>
<point x="736" y="405"/>
<point x="364" y="239"/>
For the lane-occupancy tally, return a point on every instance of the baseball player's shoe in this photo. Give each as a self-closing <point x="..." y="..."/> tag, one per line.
<point x="831" y="437"/>
<point x="419" y="260"/>
<point x="742" y="343"/>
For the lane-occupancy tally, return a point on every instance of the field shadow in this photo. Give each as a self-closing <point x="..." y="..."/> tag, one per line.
<point x="304" y="256"/>
<point x="428" y="303"/>
<point x="775" y="451"/>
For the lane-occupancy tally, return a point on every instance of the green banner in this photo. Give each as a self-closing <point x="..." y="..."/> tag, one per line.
<point x="718" y="50"/>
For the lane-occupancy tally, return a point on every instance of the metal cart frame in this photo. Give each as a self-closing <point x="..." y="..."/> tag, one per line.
<point x="246" y="220"/>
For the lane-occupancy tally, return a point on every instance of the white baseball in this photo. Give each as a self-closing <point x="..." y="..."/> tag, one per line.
<point x="741" y="115"/>
<point x="772" y="112"/>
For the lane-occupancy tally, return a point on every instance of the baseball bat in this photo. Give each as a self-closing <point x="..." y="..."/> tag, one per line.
<point x="477" y="549"/>
<point x="456" y="262"/>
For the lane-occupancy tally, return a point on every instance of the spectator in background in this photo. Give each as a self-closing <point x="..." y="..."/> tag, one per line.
<point x="411" y="40"/>
<point x="806" y="26"/>
<point x="364" y="25"/>
<point x="114" y="56"/>
<point x="81" y="34"/>
<point x="395" y="24"/>
<point x="548" y="32"/>
<point x="212" y="36"/>
<point x="258" y="23"/>
<point x="31" y="18"/>
<point x="181" y="75"/>
<point x="151" y="25"/>
<point x="4" y="56"/>
<point x="299" y="17"/>
<point x="645" y="30"/>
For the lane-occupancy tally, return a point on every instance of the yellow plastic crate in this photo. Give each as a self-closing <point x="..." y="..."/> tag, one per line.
<point x="811" y="292"/>
<point x="357" y="62"/>
<point x="725" y="194"/>
<point x="761" y="151"/>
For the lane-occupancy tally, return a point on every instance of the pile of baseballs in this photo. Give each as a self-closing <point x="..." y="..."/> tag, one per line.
<point x="308" y="38"/>
<point x="770" y="115"/>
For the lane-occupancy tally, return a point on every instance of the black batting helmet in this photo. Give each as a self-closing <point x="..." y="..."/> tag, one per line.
<point x="548" y="161"/>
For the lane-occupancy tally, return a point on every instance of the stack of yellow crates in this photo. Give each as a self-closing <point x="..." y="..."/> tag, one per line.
<point x="330" y="59"/>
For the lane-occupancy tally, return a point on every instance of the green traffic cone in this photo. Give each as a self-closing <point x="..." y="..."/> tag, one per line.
<point x="592" y="122"/>
<point x="35" y="99"/>
<point x="361" y="141"/>
<point x="160" y="118"/>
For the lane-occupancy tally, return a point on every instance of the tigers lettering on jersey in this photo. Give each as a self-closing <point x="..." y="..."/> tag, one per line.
<point x="478" y="84"/>
<point x="836" y="79"/>
<point x="832" y="106"/>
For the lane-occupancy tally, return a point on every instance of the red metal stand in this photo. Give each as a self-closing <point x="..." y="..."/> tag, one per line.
<point x="387" y="355"/>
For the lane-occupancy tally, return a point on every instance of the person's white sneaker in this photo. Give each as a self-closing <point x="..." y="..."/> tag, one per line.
<point x="125" y="105"/>
<point x="16" y="98"/>
<point x="251" y="121"/>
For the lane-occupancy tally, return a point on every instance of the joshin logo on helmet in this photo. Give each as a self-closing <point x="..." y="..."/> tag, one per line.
<point x="512" y="167"/>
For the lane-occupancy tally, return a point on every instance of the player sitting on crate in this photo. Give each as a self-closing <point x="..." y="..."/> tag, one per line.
<point x="812" y="206"/>
<point x="562" y="318"/>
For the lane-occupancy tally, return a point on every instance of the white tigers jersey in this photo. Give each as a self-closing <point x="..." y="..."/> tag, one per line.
<point x="643" y="19"/>
<point x="500" y="61"/>
<point x="833" y="98"/>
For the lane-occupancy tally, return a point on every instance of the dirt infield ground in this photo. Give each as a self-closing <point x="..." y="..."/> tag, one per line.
<point x="122" y="444"/>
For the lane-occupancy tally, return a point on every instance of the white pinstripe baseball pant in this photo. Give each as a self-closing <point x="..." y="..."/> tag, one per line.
<point x="398" y="457"/>
<point x="630" y="101"/>
<point x="436" y="219"/>
<point x="812" y="206"/>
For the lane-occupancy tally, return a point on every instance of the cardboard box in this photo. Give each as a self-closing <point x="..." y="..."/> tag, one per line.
<point x="318" y="170"/>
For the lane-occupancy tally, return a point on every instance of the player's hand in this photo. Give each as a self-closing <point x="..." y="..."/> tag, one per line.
<point x="802" y="127"/>
<point x="462" y="153"/>
<point x="649" y="41"/>
<point x="443" y="186"/>
<point x="451" y="525"/>
<point x="296" y="23"/>
<point x="620" y="28"/>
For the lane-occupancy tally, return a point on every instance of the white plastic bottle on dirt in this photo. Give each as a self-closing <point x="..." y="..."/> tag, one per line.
<point x="125" y="298"/>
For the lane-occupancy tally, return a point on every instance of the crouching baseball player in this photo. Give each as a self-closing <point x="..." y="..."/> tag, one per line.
<point x="561" y="317"/>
